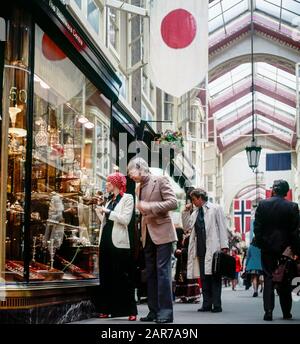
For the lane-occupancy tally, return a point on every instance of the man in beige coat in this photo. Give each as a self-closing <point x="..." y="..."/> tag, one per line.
<point x="209" y="234"/>
<point x="156" y="199"/>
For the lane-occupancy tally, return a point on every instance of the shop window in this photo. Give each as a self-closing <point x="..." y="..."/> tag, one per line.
<point x="13" y="145"/>
<point x="68" y="169"/>
<point x="70" y="160"/>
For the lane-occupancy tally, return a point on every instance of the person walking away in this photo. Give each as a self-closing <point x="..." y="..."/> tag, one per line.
<point x="276" y="227"/>
<point x="253" y="266"/>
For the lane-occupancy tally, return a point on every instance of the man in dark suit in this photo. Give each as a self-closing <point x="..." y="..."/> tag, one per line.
<point x="276" y="227"/>
<point x="156" y="199"/>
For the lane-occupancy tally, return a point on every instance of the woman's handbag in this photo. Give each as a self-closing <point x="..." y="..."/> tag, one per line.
<point x="223" y="265"/>
<point x="244" y="275"/>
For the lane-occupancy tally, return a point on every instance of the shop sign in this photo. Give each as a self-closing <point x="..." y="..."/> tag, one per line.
<point x="70" y="31"/>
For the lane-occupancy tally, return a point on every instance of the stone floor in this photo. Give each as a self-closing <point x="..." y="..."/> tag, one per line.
<point x="239" y="307"/>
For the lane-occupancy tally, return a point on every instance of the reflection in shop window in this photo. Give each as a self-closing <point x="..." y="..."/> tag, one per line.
<point x="66" y="188"/>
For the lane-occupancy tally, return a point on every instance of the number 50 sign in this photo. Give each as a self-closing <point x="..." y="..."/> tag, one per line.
<point x="18" y="95"/>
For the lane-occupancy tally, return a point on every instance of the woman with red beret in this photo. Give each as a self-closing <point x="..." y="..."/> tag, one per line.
<point x="116" y="294"/>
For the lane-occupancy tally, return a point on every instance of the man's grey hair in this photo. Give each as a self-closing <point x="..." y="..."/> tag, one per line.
<point x="138" y="164"/>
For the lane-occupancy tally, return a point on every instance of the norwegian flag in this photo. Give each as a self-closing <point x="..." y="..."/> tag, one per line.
<point x="242" y="216"/>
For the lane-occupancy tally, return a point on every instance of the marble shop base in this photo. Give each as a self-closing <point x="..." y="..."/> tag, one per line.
<point x="52" y="314"/>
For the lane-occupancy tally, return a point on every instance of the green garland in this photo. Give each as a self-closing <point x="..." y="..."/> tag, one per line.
<point x="170" y="136"/>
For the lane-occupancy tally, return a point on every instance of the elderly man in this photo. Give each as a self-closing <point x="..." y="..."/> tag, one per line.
<point x="209" y="234"/>
<point x="156" y="199"/>
<point x="276" y="227"/>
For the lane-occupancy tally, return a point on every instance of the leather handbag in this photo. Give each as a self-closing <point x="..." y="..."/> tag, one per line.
<point x="285" y="271"/>
<point x="287" y="267"/>
<point x="279" y="274"/>
<point x="223" y="265"/>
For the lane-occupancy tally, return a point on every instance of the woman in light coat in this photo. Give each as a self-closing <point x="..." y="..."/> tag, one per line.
<point x="116" y="295"/>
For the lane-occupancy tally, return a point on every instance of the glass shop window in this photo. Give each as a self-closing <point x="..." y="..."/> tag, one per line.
<point x="71" y="132"/>
<point x="67" y="183"/>
<point x="13" y="143"/>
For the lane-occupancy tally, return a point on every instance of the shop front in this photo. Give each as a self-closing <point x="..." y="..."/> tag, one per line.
<point x="57" y="99"/>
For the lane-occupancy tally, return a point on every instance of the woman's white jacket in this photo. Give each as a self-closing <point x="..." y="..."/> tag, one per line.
<point x="121" y="217"/>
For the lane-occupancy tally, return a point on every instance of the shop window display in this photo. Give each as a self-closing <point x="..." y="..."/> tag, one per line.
<point x="13" y="148"/>
<point x="70" y="139"/>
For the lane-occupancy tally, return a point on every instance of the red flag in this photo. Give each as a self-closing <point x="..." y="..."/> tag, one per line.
<point x="242" y="216"/>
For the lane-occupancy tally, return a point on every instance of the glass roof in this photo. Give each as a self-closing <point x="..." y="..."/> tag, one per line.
<point x="234" y="108"/>
<point x="224" y="16"/>
<point x="276" y="104"/>
<point x="232" y="80"/>
<point x="286" y="11"/>
<point x="234" y="132"/>
<point x="263" y="123"/>
<point x="228" y="80"/>
<point x="265" y="71"/>
<point x="223" y="12"/>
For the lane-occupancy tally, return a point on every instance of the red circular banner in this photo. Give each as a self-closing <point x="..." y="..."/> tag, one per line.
<point x="178" y="29"/>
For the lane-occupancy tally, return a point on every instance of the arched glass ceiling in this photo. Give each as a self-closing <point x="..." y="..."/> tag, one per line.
<point x="223" y="12"/>
<point x="234" y="80"/>
<point x="263" y="125"/>
<point x="229" y="79"/>
<point x="286" y="11"/>
<point x="275" y="89"/>
<point x="274" y="106"/>
<point x="280" y="77"/>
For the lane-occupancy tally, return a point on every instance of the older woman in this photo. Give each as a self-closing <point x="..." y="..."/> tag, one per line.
<point x="116" y="295"/>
